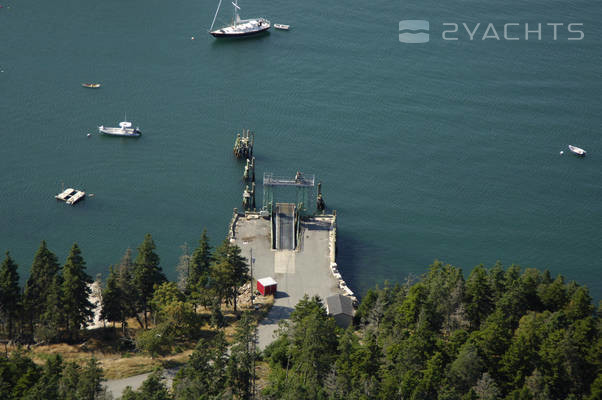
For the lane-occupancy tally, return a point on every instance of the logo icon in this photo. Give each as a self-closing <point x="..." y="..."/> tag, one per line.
<point x="414" y="26"/>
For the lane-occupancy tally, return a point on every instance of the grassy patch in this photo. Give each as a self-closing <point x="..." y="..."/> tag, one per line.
<point x="107" y="345"/>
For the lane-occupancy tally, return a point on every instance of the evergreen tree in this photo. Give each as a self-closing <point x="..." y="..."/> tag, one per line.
<point x="204" y="376"/>
<point x="10" y="293"/>
<point x="89" y="385"/>
<point x="217" y="317"/>
<point x="497" y="280"/>
<point x="152" y="388"/>
<point x="147" y="274"/>
<point x="229" y="272"/>
<point x="67" y="388"/>
<point x="580" y="304"/>
<point x="43" y="271"/>
<point x="344" y="365"/>
<point x="52" y="320"/>
<point x="241" y="365"/>
<point x="478" y="296"/>
<point x="17" y="375"/>
<point x="127" y="289"/>
<point x="553" y="295"/>
<point x="199" y="265"/>
<point x="112" y="299"/>
<point x="76" y="292"/>
<point x="47" y="386"/>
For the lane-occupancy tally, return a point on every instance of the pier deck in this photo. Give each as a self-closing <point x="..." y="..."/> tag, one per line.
<point x="306" y="271"/>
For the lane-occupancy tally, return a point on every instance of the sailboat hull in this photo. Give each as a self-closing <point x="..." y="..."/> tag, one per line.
<point x="220" y="33"/>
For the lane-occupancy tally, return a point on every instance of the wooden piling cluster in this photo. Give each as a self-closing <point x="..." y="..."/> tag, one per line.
<point x="249" y="172"/>
<point x="320" y="204"/>
<point x="243" y="146"/>
<point x="248" y="197"/>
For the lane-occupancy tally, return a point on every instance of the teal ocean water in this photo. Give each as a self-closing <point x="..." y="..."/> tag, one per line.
<point x="442" y="150"/>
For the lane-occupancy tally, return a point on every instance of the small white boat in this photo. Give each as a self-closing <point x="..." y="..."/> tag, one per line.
<point x="577" y="150"/>
<point x="282" y="27"/>
<point x="125" y="129"/>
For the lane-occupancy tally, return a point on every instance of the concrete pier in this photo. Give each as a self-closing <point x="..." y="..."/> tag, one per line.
<point x="306" y="270"/>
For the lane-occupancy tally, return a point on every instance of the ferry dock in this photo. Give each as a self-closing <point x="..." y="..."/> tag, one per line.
<point x="290" y="238"/>
<point x="294" y="246"/>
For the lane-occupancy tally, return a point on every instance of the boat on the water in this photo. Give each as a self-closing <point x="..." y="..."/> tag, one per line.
<point x="71" y="196"/>
<point x="91" y="85"/>
<point x="239" y="27"/>
<point x="282" y="27"/>
<point x="125" y="129"/>
<point x="577" y="150"/>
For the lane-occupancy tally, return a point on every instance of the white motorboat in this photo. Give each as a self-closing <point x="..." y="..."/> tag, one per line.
<point x="577" y="150"/>
<point x="282" y="27"/>
<point x="239" y="27"/>
<point x="125" y="129"/>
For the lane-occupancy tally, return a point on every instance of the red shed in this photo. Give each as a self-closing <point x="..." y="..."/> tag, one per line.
<point x="267" y="286"/>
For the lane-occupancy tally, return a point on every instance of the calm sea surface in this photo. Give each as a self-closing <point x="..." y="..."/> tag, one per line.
<point x="443" y="150"/>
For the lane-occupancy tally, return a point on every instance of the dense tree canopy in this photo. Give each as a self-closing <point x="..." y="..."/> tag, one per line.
<point x="501" y="334"/>
<point x="495" y="333"/>
<point x="21" y="378"/>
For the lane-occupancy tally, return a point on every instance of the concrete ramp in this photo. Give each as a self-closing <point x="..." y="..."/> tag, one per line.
<point x="285" y="226"/>
<point x="284" y="262"/>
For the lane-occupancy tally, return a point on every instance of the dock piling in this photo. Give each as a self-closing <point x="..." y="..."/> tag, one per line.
<point x="243" y="145"/>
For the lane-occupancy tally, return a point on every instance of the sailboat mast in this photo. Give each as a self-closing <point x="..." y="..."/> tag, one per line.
<point x="215" y="16"/>
<point x="236" y="8"/>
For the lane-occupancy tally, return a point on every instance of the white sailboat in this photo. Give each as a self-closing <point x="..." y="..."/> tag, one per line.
<point x="239" y="27"/>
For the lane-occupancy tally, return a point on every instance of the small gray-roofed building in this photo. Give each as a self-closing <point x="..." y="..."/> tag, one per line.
<point x="341" y="309"/>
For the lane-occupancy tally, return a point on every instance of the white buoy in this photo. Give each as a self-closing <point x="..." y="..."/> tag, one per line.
<point x="192" y="38"/>
<point x="88" y="135"/>
<point x="562" y="152"/>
